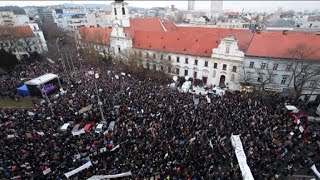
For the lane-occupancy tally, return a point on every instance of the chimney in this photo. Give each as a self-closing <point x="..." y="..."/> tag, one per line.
<point x="285" y="32"/>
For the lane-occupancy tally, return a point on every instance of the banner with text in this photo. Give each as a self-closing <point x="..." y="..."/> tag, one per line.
<point x="242" y="159"/>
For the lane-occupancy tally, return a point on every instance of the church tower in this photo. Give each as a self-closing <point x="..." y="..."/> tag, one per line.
<point x="120" y="13"/>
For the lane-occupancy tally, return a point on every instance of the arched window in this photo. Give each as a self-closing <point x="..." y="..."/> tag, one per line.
<point x="115" y="11"/>
<point x="123" y="11"/>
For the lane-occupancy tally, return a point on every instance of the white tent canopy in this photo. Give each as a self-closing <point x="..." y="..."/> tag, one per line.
<point x="42" y="79"/>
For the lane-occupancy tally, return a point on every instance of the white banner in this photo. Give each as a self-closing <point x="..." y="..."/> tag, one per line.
<point x="242" y="159"/>
<point x="113" y="149"/>
<point x="75" y="171"/>
<point x="98" y="177"/>
<point x="77" y="133"/>
<point x="47" y="171"/>
<point x="315" y="170"/>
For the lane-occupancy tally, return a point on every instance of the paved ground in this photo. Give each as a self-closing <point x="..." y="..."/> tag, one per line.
<point x="11" y="103"/>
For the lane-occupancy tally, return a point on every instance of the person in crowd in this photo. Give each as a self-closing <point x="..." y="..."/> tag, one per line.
<point x="161" y="133"/>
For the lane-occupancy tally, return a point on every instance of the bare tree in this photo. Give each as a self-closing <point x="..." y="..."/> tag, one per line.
<point x="304" y="68"/>
<point x="265" y="77"/>
<point x="179" y="17"/>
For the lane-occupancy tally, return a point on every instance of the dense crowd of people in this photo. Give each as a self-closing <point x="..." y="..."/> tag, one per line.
<point x="160" y="131"/>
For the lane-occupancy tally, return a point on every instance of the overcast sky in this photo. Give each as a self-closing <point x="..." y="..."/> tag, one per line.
<point x="199" y="5"/>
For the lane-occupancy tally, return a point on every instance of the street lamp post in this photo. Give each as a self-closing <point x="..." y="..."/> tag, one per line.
<point x="62" y="60"/>
<point x="96" y="76"/>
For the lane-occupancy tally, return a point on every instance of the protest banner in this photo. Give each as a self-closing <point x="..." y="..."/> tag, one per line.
<point x="40" y="133"/>
<point x="75" y="171"/>
<point x="98" y="177"/>
<point x="77" y="133"/>
<point x="113" y="149"/>
<point x="315" y="170"/>
<point x="47" y="171"/>
<point x="85" y="109"/>
<point x="241" y="157"/>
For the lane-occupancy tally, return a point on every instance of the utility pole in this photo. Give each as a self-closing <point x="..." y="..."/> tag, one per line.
<point x="46" y="97"/>
<point x="96" y="76"/>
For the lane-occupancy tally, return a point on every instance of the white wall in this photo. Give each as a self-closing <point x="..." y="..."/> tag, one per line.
<point x="21" y="19"/>
<point x="118" y="16"/>
<point x="278" y="74"/>
<point x="119" y="41"/>
<point x="205" y="65"/>
<point x="40" y="37"/>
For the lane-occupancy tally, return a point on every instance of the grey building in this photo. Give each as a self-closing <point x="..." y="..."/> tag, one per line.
<point x="46" y="15"/>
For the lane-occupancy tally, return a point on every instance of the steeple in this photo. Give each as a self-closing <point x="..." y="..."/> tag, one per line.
<point x="120" y="13"/>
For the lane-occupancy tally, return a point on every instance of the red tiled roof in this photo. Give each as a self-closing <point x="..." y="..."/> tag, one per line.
<point x="16" y="32"/>
<point x="96" y="35"/>
<point x="145" y="24"/>
<point x="242" y="35"/>
<point x="191" y="41"/>
<point x="274" y="44"/>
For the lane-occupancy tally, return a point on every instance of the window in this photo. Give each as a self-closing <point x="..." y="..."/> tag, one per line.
<point x="251" y="64"/>
<point x="148" y="65"/>
<point x="185" y="72"/>
<point x="169" y="69"/>
<point x="147" y="55"/>
<point x="119" y="49"/>
<point x="263" y="65"/>
<point x="224" y="67"/>
<point x="161" y="57"/>
<point x="140" y="53"/>
<point x="234" y="68"/>
<point x="312" y="83"/>
<point x="154" y="67"/>
<point x="196" y="62"/>
<point x="123" y="11"/>
<point x="162" y="68"/>
<point x="259" y="79"/>
<point x="284" y="79"/>
<point x="195" y="75"/>
<point x="215" y="65"/>
<point x="232" y="78"/>
<point x="206" y="64"/>
<point x="186" y="60"/>
<point x="177" y="71"/>
<point x="169" y="57"/>
<point x="288" y="68"/>
<point x="115" y="11"/>
<point x="154" y="55"/>
<point x="227" y="48"/>
<point x="275" y="67"/>
<point x="178" y="59"/>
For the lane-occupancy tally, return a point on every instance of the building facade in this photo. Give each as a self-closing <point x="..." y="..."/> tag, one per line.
<point x="230" y="58"/>
<point x="20" y="40"/>
<point x="46" y="15"/>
